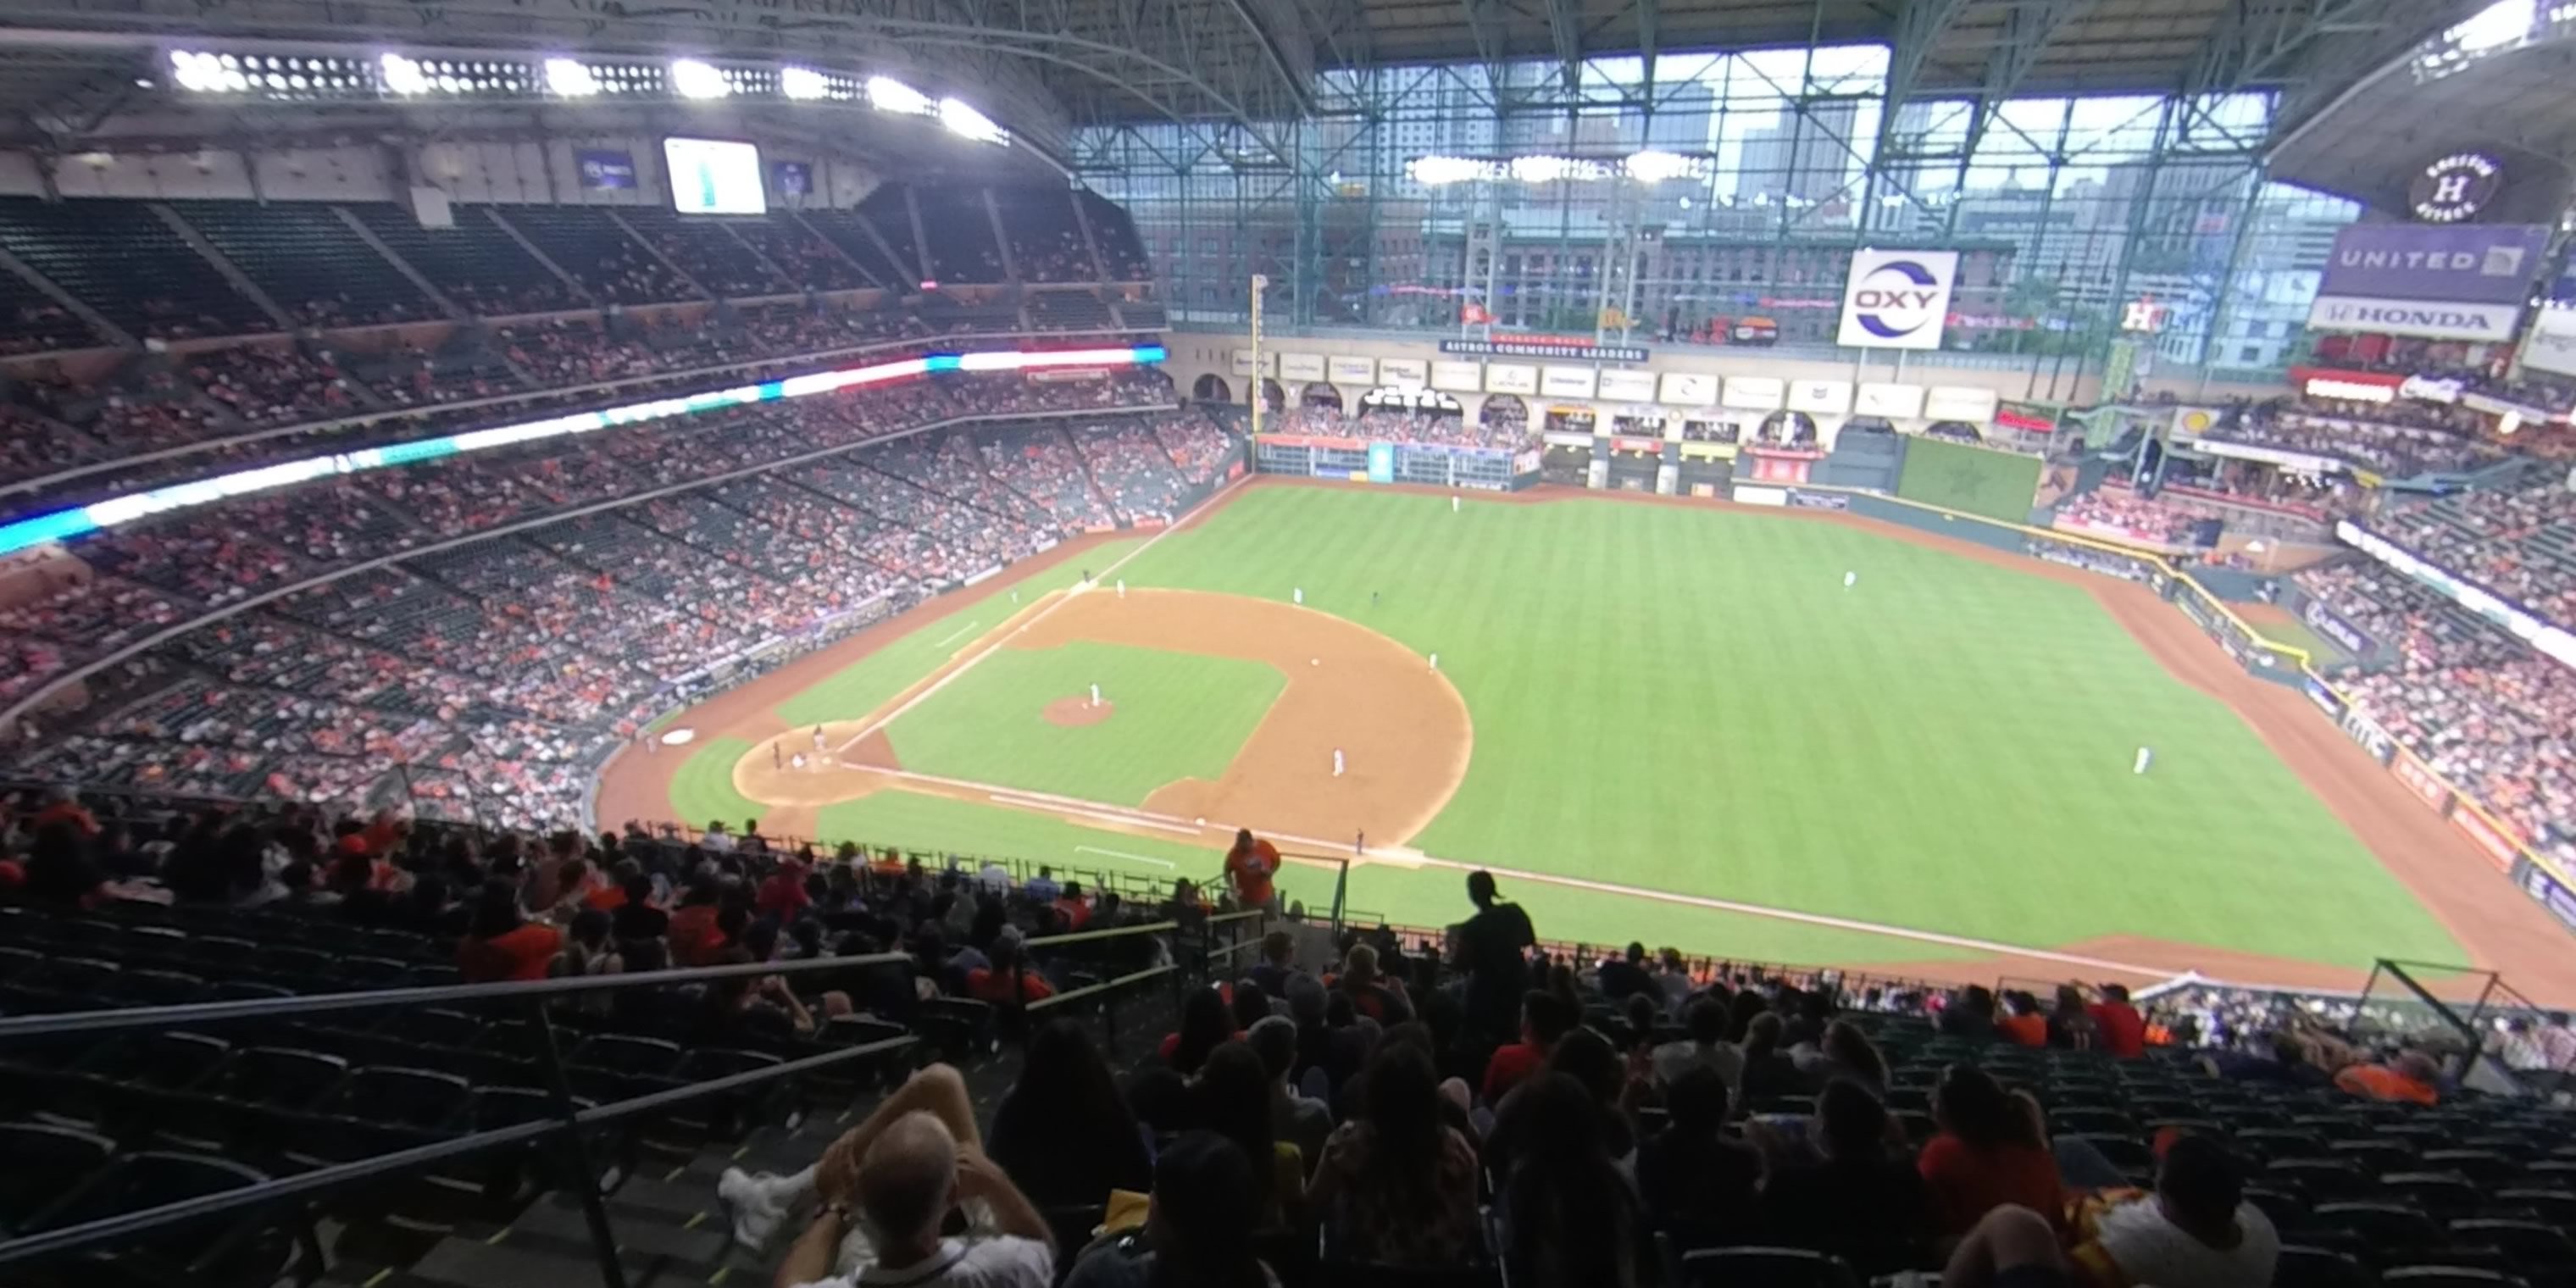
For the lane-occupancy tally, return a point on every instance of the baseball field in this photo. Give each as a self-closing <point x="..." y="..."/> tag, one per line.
<point x="1666" y="722"/>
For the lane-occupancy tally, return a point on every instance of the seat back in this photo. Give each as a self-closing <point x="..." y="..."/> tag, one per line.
<point x="1765" y="1268"/>
<point x="43" y="1162"/>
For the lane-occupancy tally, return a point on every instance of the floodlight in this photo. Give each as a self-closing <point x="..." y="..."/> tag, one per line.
<point x="1440" y="171"/>
<point x="693" y="79"/>
<point x="402" y="75"/>
<point x="569" y="79"/>
<point x="803" y="83"/>
<point x="966" y="122"/>
<point x="1655" y="167"/>
<point x="887" y="94"/>
<point x="1547" y="169"/>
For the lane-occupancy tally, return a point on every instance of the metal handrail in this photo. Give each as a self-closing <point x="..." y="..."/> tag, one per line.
<point x="270" y="1008"/>
<point x="73" y="1238"/>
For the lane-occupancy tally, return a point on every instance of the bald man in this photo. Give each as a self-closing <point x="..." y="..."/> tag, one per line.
<point x="901" y="1172"/>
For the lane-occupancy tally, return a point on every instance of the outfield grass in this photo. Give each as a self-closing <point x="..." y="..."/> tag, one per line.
<point x="1175" y="716"/>
<point x="1689" y="700"/>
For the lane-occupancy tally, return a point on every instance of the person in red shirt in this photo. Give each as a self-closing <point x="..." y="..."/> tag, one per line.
<point x="2124" y="1031"/>
<point x="2022" y="1024"/>
<point x="2412" y="1077"/>
<point x="1545" y="1018"/>
<point x="503" y="945"/>
<point x="1250" y="865"/>
<point x="62" y="805"/>
<point x="1990" y="1152"/>
<point x="783" y="894"/>
<point x="993" y="983"/>
<point x="696" y="940"/>
<point x="1077" y="914"/>
<point x="613" y="895"/>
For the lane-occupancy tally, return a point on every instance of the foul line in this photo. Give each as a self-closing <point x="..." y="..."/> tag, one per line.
<point x="952" y="635"/>
<point x="1400" y="856"/>
<point x="1041" y="615"/>
<point x="1122" y="854"/>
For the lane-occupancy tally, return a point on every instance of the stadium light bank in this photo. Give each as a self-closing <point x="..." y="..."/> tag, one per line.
<point x="63" y="525"/>
<point x="1644" y="167"/>
<point x="314" y="74"/>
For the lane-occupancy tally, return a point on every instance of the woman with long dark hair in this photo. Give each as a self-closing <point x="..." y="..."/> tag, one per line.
<point x="1199" y="1230"/>
<point x="1991" y="1151"/>
<point x="1810" y="1199"/>
<point x="1398" y="1182"/>
<point x="1232" y="1097"/>
<point x="1063" y="1132"/>
<point x="1571" y="1219"/>
<point x="1206" y="1023"/>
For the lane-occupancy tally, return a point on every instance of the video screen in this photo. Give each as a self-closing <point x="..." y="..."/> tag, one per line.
<point x="715" y="177"/>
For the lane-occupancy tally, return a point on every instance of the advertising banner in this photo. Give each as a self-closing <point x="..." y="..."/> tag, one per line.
<point x="2552" y="346"/>
<point x="2499" y="846"/>
<point x="1381" y="458"/>
<point x="1565" y="382"/>
<point x="2337" y="629"/>
<point x="1628" y="386"/>
<point x="2427" y="787"/>
<point x="1895" y="402"/>
<point x="2303" y="462"/>
<point x="1458" y="377"/>
<point x="1821" y="397"/>
<point x="2546" y="639"/>
<point x="1754" y="393"/>
<point x="1544" y="346"/>
<point x="2359" y="727"/>
<point x="2325" y="698"/>
<point x="1755" y="494"/>
<point x="1360" y="372"/>
<point x="1682" y="389"/>
<point x="1960" y="402"/>
<point x="1897" y="299"/>
<point x="2558" y="899"/>
<point x="2348" y="386"/>
<point x="2439" y="281"/>
<point x="1403" y="373"/>
<point x="1507" y="378"/>
<point x="1818" y="500"/>
<point x="1301" y="366"/>
<point x="1269" y="362"/>
<point x="605" y="168"/>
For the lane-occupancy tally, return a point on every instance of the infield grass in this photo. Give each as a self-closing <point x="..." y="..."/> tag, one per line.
<point x="1173" y="716"/>
<point x="1687" y="699"/>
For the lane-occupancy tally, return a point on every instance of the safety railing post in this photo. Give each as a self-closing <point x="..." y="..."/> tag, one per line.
<point x="576" y="1156"/>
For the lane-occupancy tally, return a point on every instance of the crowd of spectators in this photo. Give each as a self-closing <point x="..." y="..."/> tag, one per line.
<point x="2517" y="540"/>
<point x="507" y="665"/>
<point x="2398" y="440"/>
<point x="2163" y="520"/>
<point x="1499" y="428"/>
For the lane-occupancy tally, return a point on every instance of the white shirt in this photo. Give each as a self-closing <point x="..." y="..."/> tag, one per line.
<point x="716" y="843"/>
<point x="2149" y="1249"/>
<point x="1002" y="1261"/>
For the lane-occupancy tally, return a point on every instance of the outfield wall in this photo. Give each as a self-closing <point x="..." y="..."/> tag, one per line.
<point x="2542" y="876"/>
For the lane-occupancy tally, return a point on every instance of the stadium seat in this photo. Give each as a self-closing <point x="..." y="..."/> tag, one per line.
<point x="2446" y="1276"/>
<point x="2311" y="1267"/>
<point x="1765" y="1268"/>
<point x="41" y="1161"/>
<point x="2383" y="1228"/>
<point x="221" y="1252"/>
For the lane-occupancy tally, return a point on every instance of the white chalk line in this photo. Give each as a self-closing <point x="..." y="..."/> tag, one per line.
<point x="1041" y="615"/>
<point x="1406" y="857"/>
<point x="952" y="635"/>
<point x="1122" y="854"/>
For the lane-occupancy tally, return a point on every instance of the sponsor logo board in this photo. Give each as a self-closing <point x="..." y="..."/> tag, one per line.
<point x="1897" y="299"/>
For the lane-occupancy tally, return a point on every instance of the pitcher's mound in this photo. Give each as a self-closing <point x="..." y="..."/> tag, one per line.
<point x="1076" y="712"/>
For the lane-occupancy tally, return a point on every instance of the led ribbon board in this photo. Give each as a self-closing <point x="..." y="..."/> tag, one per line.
<point x="62" y="525"/>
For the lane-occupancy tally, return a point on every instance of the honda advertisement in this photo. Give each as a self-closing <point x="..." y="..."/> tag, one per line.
<point x="1897" y="299"/>
<point x="2441" y="282"/>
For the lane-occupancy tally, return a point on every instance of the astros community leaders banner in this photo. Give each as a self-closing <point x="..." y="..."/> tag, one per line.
<point x="2441" y="282"/>
<point x="1897" y="299"/>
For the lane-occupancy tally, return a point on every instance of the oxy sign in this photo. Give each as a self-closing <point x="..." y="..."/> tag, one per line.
<point x="1897" y="299"/>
